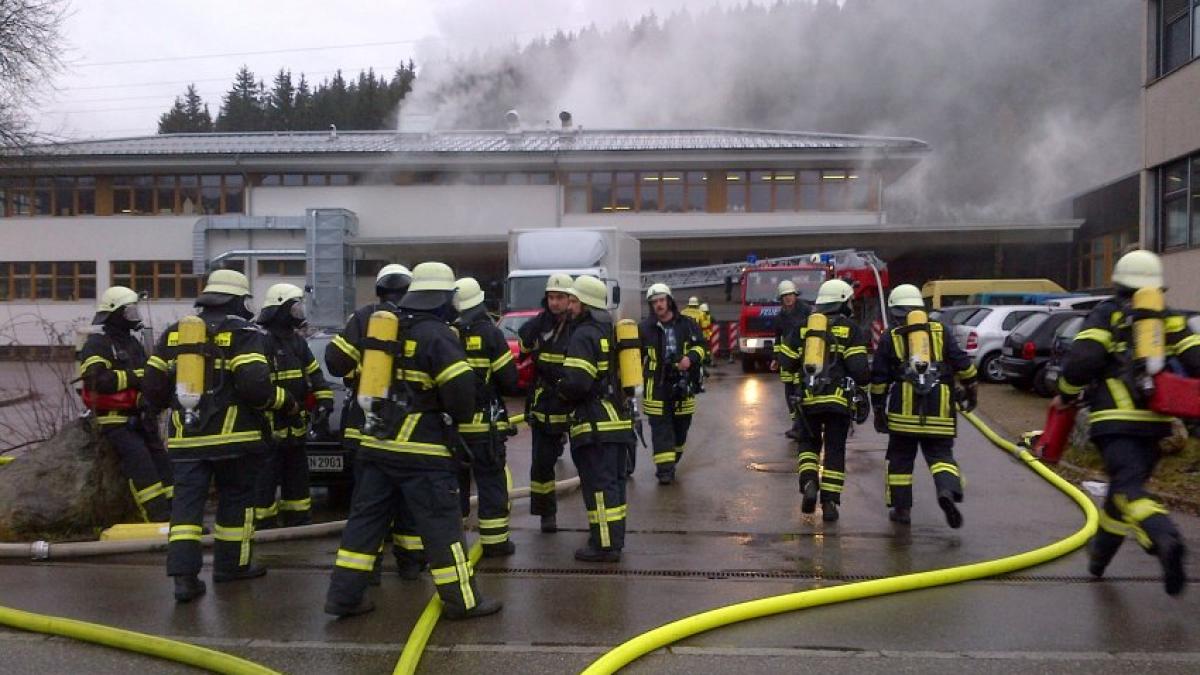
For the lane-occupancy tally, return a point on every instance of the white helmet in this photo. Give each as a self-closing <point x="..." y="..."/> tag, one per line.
<point x="785" y="287"/>
<point x="278" y="294"/>
<point x="469" y="294"/>
<point x="114" y="299"/>
<point x="590" y="291"/>
<point x="906" y="295"/>
<point x="228" y="282"/>
<point x="656" y="290"/>
<point x="432" y="276"/>
<point x="393" y="277"/>
<point x="704" y="307"/>
<point x="559" y="282"/>
<point x="693" y="301"/>
<point x="1138" y="269"/>
<point x="834" y="291"/>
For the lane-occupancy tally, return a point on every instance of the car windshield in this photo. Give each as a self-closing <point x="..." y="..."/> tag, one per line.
<point x="510" y="324"/>
<point x="1029" y="324"/>
<point x="957" y="316"/>
<point x="763" y="285"/>
<point x="978" y="317"/>
<point x="526" y="292"/>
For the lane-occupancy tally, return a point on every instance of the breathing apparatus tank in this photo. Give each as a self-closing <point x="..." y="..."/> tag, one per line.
<point x="189" y="368"/>
<point x="629" y="355"/>
<point x="919" y="352"/>
<point x="1149" y="343"/>
<point x="375" y="378"/>
<point x="814" y="346"/>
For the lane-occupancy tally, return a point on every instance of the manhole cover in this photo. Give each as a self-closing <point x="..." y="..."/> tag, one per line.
<point x="773" y="467"/>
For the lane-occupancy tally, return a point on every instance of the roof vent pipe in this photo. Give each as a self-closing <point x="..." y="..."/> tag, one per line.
<point x="333" y="132"/>
<point x="565" y="118"/>
<point x="513" y="122"/>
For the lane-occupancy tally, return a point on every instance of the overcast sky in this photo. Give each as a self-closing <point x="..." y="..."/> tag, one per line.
<point x="126" y="60"/>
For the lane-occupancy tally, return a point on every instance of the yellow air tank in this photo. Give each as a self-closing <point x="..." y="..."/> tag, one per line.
<point x="814" y="344"/>
<point x="1149" y="343"/>
<point x="918" y="341"/>
<point x="629" y="354"/>
<point x="189" y="368"/>
<point x="376" y="376"/>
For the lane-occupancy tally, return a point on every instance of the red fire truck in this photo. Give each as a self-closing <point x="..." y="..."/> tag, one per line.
<point x="760" y="308"/>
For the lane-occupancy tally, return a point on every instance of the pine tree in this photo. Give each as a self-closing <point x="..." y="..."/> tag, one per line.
<point x="189" y="114"/>
<point x="303" y="118"/>
<point x="242" y="107"/>
<point x="281" y="103"/>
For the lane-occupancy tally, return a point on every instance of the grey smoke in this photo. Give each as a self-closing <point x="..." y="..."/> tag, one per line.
<point x="1024" y="102"/>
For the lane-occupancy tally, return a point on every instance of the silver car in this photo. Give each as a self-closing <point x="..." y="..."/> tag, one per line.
<point x="982" y="335"/>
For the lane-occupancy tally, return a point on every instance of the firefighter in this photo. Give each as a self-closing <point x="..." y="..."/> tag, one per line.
<point x="709" y="328"/>
<point x="294" y="368"/>
<point x="343" y="358"/>
<point x="112" y="365"/>
<point x="409" y="448"/>
<point x="486" y="432"/>
<point x="673" y="350"/>
<point x="827" y="358"/>
<point x="792" y="315"/>
<point x="1114" y="361"/>
<point x="601" y="431"/>
<point x="544" y="338"/>
<point x="913" y="397"/>
<point x="216" y="379"/>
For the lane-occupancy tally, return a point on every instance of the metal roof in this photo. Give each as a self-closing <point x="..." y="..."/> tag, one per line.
<point x="472" y="142"/>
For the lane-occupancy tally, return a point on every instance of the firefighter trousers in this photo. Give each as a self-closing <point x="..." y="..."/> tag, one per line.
<point x="234" y="526"/>
<point x="147" y="468"/>
<point x="281" y="487"/>
<point x="431" y="497"/>
<point x="828" y="430"/>
<point x="602" y="481"/>
<point x="547" y="449"/>
<point x="492" y="479"/>
<point x="901" y="457"/>
<point x="668" y="435"/>
<point x="1129" y="509"/>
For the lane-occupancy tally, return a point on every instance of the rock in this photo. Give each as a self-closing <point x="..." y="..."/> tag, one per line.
<point x="70" y="485"/>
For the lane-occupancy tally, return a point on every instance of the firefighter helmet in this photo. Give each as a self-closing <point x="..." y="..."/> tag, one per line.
<point x="834" y="291"/>
<point x="785" y="287"/>
<point x="469" y="294"/>
<point x="393" y="277"/>
<point x="693" y="301"/>
<point x="559" y="283"/>
<point x="1138" y="269"/>
<point x="905" y="295"/>
<point x="279" y="294"/>
<point x="704" y="307"/>
<point x="112" y="300"/>
<point x="591" y="292"/>
<point x="656" y="290"/>
<point x="432" y="276"/>
<point x="227" y="282"/>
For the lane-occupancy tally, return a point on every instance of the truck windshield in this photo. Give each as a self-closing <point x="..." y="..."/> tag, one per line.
<point x="761" y="285"/>
<point x="526" y="292"/>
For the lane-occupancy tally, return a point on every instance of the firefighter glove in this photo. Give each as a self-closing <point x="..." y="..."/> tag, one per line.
<point x="969" y="397"/>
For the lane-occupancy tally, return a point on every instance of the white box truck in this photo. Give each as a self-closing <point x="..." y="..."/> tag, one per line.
<point x="603" y="252"/>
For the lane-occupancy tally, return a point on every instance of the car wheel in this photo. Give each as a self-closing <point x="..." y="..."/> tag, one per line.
<point x="990" y="368"/>
<point x="1040" y="384"/>
<point x="747" y="363"/>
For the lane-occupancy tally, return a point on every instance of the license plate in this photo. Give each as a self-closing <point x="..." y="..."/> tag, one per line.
<point x="325" y="463"/>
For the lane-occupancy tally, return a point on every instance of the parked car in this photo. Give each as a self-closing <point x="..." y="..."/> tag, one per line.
<point x="1081" y="302"/>
<point x="1063" y="337"/>
<point x="1028" y="348"/>
<point x="329" y="464"/>
<point x="982" y="335"/>
<point x="509" y="324"/>
<point x="952" y="316"/>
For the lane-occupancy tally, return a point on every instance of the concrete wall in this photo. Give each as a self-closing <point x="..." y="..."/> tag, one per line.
<point x="1182" y="271"/>
<point x="1171" y="116"/>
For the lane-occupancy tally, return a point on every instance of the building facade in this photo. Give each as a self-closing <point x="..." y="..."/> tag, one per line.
<point x="1171" y="145"/>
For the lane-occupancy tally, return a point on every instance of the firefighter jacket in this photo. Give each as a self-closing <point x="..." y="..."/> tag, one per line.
<point x="495" y="375"/>
<point x="1101" y="360"/>
<point x="238" y="390"/>
<point x="919" y="406"/>
<point x="701" y="318"/>
<point x="663" y="380"/>
<point x="343" y="358"/>
<point x="432" y="391"/>
<point x="589" y="383"/>
<point x="112" y="362"/>
<point x="787" y="323"/>
<point x="845" y="366"/>
<point x="545" y="339"/>
<point x="295" y="369"/>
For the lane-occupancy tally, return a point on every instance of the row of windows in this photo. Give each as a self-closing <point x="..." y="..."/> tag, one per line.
<point x="719" y="191"/>
<point x="1097" y="256"/>
<point x="1178" y="33"/>
<point x="157" y="279"/>
<point x="127" y="195"/>
<point x="1179" y="204"/>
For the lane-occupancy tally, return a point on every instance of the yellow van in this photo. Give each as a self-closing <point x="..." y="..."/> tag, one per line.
<point x="950" y="292"/>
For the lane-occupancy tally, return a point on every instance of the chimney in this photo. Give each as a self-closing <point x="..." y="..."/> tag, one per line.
<point x="565" y="118"/>
<point x="333" y="132"/>
<point x="513" y="121"/>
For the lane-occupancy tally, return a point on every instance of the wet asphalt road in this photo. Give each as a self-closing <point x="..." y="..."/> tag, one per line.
<point x="729" y="530"/>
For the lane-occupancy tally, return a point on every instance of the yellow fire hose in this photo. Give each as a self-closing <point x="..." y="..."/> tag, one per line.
<point x="662" y="636"/>
<point x="419" y="636"/>
<point x="5" y="460"/>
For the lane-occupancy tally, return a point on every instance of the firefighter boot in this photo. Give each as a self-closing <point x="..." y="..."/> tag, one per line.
<point x="1170" y="555"/>
<point x="484" y="608"/>
<point x="549" y="523"/>
<point x="251" y="571"/>
<point x="188" y="587"/>
<point x="808" y="489"/>
<point x="1101" y="549"/>
<point x="829" y="511"/>
<point x="946" y="500"/>
<point x="341" y="611"/>
<point x="591" y="554"/>
<point x="901" y="515"/>
<point x="504" y="548"/>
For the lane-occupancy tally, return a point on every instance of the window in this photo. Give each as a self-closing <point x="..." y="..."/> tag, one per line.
<point x="760" y="191"/>
<point x="697" y="191"/>
<point x="601" y="192"/>
<point x="158" y="279"/>
<point x="60" y="280"/>
<point x="648" y="193"/>
<point x="281" y="268"/>
<point x="1174" y="205"/>
<point x="46" y="195"/>
<point x="810" y="190"/>
<point x="785" y="190"/>
<point x="735" y="191"/>
<point x="1013" y="319"/>
<point x="834" y="190"/>
<point x="1177" y="26"/>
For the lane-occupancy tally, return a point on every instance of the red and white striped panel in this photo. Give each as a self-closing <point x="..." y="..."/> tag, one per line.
<point x="733" y="336"/>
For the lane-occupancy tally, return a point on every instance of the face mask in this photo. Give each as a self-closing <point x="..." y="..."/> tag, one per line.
<point x="131" y="314"/>
<point x="244" y="310"/>
<point x="297" y="313"/>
